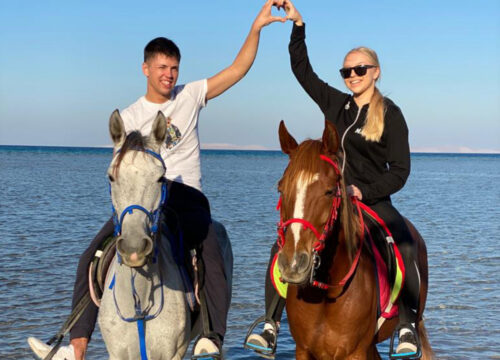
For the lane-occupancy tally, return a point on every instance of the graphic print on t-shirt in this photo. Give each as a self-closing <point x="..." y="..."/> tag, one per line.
<point x="173" y="134"/>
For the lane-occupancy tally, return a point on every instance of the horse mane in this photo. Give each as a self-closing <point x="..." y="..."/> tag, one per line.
<point x="305" y="161"/>
<point x="135" y="141"/>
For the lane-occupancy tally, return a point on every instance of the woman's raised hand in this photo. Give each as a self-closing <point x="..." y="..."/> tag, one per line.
<point x="265" y="17"/>
<point x="291" y="12"/>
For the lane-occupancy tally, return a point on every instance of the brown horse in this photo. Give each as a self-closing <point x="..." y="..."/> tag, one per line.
<point x="340" y="321"/>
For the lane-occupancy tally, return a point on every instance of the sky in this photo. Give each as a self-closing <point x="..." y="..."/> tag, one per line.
<point x="66" y="65"/>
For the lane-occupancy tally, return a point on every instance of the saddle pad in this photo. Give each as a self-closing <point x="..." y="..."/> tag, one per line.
<point x="275" y="274"/>
<point x="387" y="294"/>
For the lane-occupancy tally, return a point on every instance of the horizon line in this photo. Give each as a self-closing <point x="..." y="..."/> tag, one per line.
<point x="229" y="147"/>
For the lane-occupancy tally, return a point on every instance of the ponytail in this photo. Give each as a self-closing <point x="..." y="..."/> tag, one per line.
<point x="374" y="123"/>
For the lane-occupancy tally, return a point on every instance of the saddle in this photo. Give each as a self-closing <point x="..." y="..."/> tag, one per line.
<point x="389" y="266"/>
<point x="99" y="267"/>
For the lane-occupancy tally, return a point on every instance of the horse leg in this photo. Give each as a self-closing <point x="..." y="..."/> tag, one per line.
<point x="374" y="353"/>
<point x="303" y="354"/>
<point x="178" y="355"/>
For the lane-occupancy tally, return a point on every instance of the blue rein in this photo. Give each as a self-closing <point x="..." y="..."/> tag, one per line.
<point x="154" y="219"/>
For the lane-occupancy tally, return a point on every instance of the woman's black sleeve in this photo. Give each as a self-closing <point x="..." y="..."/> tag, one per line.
<point x="323" y="94"/>
<point x="398" y="158"/>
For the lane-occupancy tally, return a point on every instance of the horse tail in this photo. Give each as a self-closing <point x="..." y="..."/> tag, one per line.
<point x="427" y="353"/>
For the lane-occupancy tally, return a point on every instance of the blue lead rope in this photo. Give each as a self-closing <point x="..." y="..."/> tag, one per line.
<point x="139" y="317"/>
<point x="142" y="339"/>
<point x="140" y="328"/>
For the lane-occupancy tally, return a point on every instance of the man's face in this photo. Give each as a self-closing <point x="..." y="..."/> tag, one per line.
<point x="162" y="72"/>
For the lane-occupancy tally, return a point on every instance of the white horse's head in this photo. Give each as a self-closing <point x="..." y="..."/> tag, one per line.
<point x="137" y="186"/>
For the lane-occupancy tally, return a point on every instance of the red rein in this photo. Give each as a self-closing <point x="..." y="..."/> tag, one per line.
<point x="319" y="244"/>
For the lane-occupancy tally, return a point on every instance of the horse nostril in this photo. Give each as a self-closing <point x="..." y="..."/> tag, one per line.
<point x="148" y="246"/>
<point x="302" y="262"/>
<point x="126" y="246"/>
<point x="119" y="245"/>
<point x="283" y="262"/>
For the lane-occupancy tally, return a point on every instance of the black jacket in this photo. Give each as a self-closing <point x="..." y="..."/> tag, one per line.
<point x="378" y="169"/>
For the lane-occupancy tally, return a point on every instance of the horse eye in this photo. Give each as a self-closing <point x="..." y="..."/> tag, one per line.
<point x="161" y="179"/>
<point x="111" y="178"/>
<point x="329" y="192"/>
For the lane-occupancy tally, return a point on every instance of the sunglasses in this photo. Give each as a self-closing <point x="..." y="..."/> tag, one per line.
<point x="360" y="70"/>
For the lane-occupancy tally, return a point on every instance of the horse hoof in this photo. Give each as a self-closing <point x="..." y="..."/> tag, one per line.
<point x="41" y="350"/>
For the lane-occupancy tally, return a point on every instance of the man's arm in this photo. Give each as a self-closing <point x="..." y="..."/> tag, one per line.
<point x="219" y="83"/>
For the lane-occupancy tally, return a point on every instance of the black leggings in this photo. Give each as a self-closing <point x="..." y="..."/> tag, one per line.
<point x="408" y="249"/>
<point x="193" y="210"/>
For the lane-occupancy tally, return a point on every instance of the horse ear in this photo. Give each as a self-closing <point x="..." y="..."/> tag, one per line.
<point x="287" y="142"/>
<point x="330" y="138"/>
<point x="116" y="128"/>
<point x="159" y="129"/>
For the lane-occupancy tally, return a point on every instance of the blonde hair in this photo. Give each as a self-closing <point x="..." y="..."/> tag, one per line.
<point x="374" y="123"/>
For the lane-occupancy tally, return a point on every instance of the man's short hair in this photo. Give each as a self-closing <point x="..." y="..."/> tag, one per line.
<point x="161" y="45"/>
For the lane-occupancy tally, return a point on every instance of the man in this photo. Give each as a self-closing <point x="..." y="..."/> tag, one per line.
<point x="181" y="105"/>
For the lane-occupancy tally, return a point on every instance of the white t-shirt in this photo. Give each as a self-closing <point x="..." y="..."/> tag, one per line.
<point x="181" y="150"/>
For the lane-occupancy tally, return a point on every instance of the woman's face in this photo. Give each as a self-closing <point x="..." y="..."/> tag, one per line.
<point x="360" y="84"/>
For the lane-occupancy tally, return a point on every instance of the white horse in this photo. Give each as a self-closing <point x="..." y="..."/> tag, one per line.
<point x="143" y="311"/>
<point x="144" y="300"/>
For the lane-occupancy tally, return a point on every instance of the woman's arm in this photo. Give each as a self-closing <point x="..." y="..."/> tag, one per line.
<point x="323" y="94"/>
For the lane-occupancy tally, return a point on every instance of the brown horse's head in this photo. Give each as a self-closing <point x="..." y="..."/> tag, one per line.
<point x="307" y="189"/>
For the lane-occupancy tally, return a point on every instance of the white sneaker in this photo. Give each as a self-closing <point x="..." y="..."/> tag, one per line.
<point x="263" y="342"/>
<point x="41" y="350"/>
<point x="205" y="347"/>
<point x="407" y="343"/>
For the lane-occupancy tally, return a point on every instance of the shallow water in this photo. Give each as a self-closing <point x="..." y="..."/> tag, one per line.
<point x="54" y="200"/>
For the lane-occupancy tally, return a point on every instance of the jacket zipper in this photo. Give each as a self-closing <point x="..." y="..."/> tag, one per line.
<point x="343" y="138"/>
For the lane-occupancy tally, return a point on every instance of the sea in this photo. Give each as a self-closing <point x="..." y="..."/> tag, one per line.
<point x="53" y="200"/>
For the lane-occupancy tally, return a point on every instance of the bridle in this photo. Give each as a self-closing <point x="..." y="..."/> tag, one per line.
<point x="153" y="215"/>
<point x="319" y="244"/>
<point x="141" y="315"/>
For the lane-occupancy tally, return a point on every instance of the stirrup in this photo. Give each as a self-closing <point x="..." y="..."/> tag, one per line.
<point x="208" y="354"/>
<point x="262" y="351"/>
<point x="405" y="356"/>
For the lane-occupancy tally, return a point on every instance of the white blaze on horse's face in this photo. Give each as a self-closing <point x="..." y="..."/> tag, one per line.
<point x="303" y="183"/>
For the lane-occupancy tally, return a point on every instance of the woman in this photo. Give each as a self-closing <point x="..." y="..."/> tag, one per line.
<point x="376" y="160"/>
